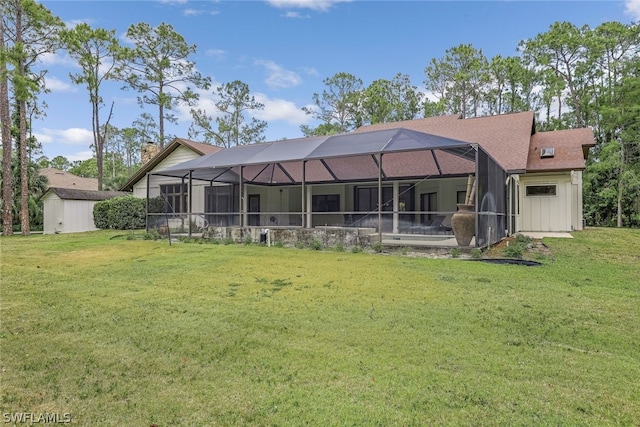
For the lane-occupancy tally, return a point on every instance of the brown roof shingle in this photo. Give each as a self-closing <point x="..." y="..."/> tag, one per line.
<point x="570" y="146"/>
<point x="61" y="179"/>
<point x="505" y="137"/>
<point x="75" y="194"/>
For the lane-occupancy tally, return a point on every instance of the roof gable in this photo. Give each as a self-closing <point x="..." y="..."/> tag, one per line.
<point x="199" y="148"/>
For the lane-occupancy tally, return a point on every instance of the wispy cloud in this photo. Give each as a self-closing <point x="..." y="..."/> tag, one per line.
<point x="197" y="12"/>
<point x="56" y="85"/>
<point x="295" y="15"/>
<point x="70" y="136"/>
<point x="219" y="54"/>
<point x="632" y="8"/>
<point x="317" y="5"/>
<point x="279" y="77"/>
<point x="50" y="59"/>
<point x="276" y="109"/>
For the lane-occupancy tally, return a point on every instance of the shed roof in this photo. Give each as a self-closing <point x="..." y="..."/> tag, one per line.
<point x="75" y="194"/>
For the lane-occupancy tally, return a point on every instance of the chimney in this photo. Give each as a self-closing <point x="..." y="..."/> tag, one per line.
<point x="148" y="152"/>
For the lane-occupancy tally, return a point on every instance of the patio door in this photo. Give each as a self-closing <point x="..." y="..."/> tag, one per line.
<point x="254" y="209"/>
<point x="221" y="205"/>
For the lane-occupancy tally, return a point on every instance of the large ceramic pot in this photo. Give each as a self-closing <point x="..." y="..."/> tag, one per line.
<point x="463" y="224"/>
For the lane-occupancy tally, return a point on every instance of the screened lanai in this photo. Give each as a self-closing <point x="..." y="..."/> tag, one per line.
<point x="394" y="182"/>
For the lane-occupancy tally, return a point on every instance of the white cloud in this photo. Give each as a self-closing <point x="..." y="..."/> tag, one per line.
<point x="57" y="59"/>
<point x="318" y="5"/>
<point x="216" y="53"/>
<point x="56" y="85"/>
<point x="196" y="12"/>
<point x="81" y="155"/>
<point x="632" y="8"/>
<point x="75" y="22"/>
<point x="295" y="15"/>
<point x="310" y="71"/>
<point x="70" y="136"/>
<point x="279" y="77"/>
<point x="280" y="110"/>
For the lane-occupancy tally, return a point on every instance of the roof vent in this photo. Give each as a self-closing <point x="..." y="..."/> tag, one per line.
<point x="547" y="152"/>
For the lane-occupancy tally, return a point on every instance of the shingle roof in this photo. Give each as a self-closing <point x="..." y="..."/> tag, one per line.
<point x="505" y="137"/>
<point x="570" y="148"/>
<point x="61" y="179"/>
<point x="75" y="194"/>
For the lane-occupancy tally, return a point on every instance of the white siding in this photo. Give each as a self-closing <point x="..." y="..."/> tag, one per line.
<point x="67" y="216"/>
<point x="549" y="213"/>
<point x="179" y="155"/>
<point x="53" y="213"/>
<point x="78" y="216"/>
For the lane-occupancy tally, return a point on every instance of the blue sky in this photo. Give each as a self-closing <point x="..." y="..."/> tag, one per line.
<point x="284" y="50"/>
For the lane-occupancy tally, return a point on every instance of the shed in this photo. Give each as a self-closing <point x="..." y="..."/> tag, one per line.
<point x="68" y="210"/>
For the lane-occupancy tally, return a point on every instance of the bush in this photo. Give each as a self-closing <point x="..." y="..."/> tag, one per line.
<point x="476" y="253"/>
<point x="120" y="213"/>
<point x="455" y="252"/>
<point x="315" y="245"/>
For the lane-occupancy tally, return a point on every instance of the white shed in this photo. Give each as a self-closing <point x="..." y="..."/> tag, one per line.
<point x="71" y="211"/>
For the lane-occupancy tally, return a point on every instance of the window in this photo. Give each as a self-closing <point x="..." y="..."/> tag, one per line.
<point x="176" y="197"/>
<point x="541" y="190"/>
<point x="461" y="197"/>
<point x="325" y="203"/>
<point x="429" y="203"/>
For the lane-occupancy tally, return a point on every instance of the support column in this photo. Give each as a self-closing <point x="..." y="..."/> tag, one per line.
<point x="240" y="183"/>
<point x="396" y="205"/>
<point x="146" y="218"/>
<point x="303" y="189"/>
<point x="190" y="201"/>
<point x="308" y="207"/>
<point x="380" y="198"/>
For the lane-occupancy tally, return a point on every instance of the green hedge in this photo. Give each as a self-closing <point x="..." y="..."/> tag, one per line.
<point x="120" y="213"/>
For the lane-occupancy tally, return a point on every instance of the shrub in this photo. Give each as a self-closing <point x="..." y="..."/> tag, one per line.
<point x="377" y="247"/>
<point x="356" y="249"/>
<point x="455" y="252"/>
<point x="120" y="213"/>
<point x="151" y="235"/>
<point x="476" y="253"/>
<point x="315" y="245"/>
<point x="514" y="250"/>
<point x="339" y="247"/>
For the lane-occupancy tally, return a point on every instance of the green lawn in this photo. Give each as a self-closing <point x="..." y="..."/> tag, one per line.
<point x="131" y="332"/>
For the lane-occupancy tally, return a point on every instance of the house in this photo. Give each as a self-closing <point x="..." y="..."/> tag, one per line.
<point x="62" y="179"/>
<point x="155" y="159"/>
<point x="398" y="179"/>
<point x="70" y="210"/>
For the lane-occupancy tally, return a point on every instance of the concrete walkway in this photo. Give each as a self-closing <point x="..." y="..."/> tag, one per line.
<point x="543" y="234"/>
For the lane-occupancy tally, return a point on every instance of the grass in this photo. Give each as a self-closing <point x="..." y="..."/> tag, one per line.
<point x="134" y="332"/>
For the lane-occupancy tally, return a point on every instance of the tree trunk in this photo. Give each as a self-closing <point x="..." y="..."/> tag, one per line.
<point x="620" y="186"/>
<point x="24" y="171"/>
<point x="5" y="119"/>
<point x="24" y="159"/>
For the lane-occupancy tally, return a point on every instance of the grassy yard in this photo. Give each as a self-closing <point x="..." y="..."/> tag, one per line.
<point x="131" y="332"/>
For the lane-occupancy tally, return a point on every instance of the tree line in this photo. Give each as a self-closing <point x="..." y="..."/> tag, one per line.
<point x="570" y="76"/>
